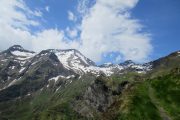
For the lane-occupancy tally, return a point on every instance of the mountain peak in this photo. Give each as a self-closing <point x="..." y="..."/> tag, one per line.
<point x="75" y="55"/>
<point x="127" y="62"/>
<point x="59" y="50"/>
<point x="70" y="58"/>
<point x="16" y="47"/>
<point x="107" y="64"/>
<point x="17" y="50"/>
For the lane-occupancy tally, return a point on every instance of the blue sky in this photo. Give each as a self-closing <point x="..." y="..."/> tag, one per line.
<point x="57" y="15"/>
<point x="162" y="19"/>
<point x="104" y="31"/>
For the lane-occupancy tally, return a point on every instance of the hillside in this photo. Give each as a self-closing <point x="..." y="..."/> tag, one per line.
<point x="66" y="85"/>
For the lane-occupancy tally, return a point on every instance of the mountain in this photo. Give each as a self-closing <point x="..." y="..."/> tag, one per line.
<point x="57" y="84"/>
<point x="17" y="63"/>
<point x="172" y="60"/>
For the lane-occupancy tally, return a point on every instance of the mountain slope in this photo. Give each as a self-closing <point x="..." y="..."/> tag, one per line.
<point x="16" y="63"/>
<point x="64" y="84"/>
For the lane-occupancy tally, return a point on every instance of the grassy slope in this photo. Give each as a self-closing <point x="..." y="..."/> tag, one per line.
<point x="46" y="104"/>
<point x="135" y="103"/>
<point x="167" y="89"/>
<point x="59" y="106"/>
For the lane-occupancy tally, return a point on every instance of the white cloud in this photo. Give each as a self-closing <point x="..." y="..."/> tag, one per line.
<point x="108" y="27"/>
<point x="118" y="59"/>
<point x="72" y="33"/>
<point x="21" y="18"/>
<point x="105" y="27"/>
<point x="47" y="8"/>
<point x="14" y="28"/>
<point x="14" y="23"/>
<point x="10" y="36"/>
<point x="38" y="13"/>
<point x="82" y="7"/>
<point x="52" y="39"/>
<point x="71" y="16"/>
<point x="118" y="4"/>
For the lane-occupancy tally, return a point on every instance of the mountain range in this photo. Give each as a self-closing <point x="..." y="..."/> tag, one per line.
<point x="57" y="84"/>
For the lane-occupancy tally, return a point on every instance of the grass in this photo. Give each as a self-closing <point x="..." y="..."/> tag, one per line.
<point x="134" y="103"/>
<point x="167" y="89"/>
<point x="46" y="104"/>
<point x="139" y="105"/>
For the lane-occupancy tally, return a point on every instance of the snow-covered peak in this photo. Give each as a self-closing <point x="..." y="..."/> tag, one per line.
<point x="22" y="53"/>
<point x="127" y="63"/>
<point x="69" y="56"/>
<point x="16" y="48"/>
<point x="73" y="59"/>
<point x="107" y="64"/>
<point x="19" y="52"/>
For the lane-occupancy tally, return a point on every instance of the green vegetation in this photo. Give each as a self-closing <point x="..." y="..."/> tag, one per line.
<point x="47" y="103"/>
<point x="134" y="104"/>
<point x="142" y="99"/>
<point x="141" y="106"/>
<point x="148" y="99"/>
<point x="59" y="112"/>
<point x="114" y="80"/>
<point x="167" y="91"/>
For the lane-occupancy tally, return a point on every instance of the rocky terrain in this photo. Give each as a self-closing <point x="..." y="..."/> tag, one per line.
<point x="64" y="84"/>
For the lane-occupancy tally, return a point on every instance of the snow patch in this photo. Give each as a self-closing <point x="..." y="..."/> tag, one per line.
<point x="12" y="67"/>
<point x="84" y="59"/>
<point x="72" y="60"/>
<point x="44" y="54"/>
<point x="58" y="88"/>
<point x="64" y="58"/>
<point x="4" y="60"/>
<point x="24" y="54"/>
<point x="178" y="53"/>
<point x="71" y="76"/>
<point x="22" y="69"/>
<point x="12" y="83"/>
<point x="56" y="78"/>
<point x="34" y="63"/>
<point x="60" y="76"/>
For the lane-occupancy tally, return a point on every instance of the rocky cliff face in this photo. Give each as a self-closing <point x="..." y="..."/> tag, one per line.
<point x="16" y="63"/>
<point x="56" y="83"/>
<point x="98" y="97"/>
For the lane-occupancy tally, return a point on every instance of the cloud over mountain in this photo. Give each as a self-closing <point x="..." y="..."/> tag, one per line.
<point x="108" y="27"/>
<point x="99" y="28"/>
